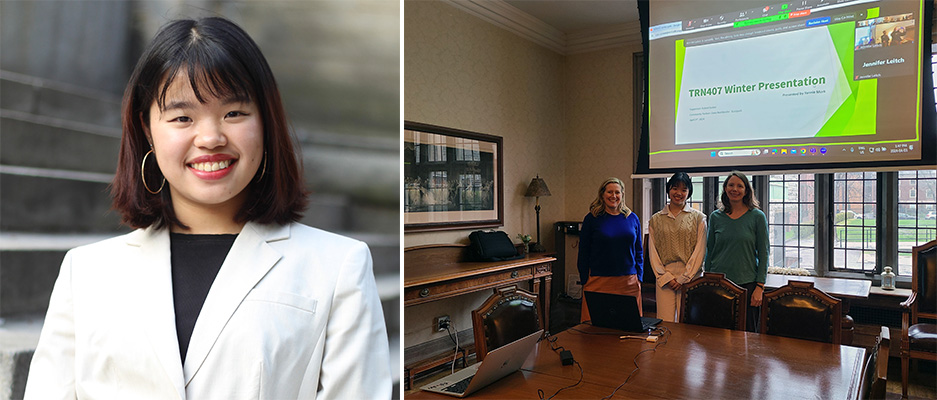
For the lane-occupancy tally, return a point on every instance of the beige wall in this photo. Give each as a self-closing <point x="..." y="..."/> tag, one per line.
<point x="462" y="72"/>
<point x="599" y="92"/>
<point x="567" y="118"/>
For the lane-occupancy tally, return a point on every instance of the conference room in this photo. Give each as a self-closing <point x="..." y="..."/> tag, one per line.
<point x="517" y="113"/>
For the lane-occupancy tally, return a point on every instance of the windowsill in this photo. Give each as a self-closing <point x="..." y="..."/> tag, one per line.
<point x="900" y="281"/>
<point x="898" y="292"/>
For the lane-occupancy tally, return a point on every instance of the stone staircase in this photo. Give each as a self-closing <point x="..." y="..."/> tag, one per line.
<point x="58" y="152"/>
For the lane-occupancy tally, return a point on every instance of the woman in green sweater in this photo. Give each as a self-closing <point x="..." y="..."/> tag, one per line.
<point x="737" y="243"/>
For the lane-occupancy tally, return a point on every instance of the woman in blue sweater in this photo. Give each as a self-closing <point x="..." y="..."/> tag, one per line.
<point x="611" y="259"/>
<point x="737" y="243"/>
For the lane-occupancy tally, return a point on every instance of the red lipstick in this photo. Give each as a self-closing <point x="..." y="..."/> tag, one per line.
<point x="212" y="167"/>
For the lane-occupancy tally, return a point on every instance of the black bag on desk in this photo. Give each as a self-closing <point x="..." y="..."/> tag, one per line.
<point x="492" y="246"/>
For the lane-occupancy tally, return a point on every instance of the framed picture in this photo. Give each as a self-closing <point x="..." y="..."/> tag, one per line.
<point x="452" y="179"/>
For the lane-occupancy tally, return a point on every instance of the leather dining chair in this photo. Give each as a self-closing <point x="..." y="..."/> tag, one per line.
<point x="713" y="300"/>
<point x="919" y="340"/>
<point x="507" y="315"/>
<point x="801" y="311"/>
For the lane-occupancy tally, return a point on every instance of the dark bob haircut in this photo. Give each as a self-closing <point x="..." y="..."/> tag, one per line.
<point x="221" y="61"/>
<point x="681" y="177"/>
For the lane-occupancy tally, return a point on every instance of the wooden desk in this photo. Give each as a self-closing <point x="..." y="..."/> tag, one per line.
<point x="436" y="272"/>
<point x="844" y="289"/>
<point x="694" y="362"/>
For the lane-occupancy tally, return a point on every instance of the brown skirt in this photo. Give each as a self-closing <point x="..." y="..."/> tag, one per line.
<point x="628" y="285"/>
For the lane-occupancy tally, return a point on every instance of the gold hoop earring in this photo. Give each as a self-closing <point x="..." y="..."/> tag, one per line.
<point x="143" y="176"/>
<point x="262" y="172"/>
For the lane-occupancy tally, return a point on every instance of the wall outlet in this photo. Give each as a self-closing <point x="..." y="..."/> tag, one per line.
<point x="441" y="323"/>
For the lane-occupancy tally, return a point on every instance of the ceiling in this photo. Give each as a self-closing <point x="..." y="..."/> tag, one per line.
<point x="570" y="16"/>
<point x="564" y="26"/>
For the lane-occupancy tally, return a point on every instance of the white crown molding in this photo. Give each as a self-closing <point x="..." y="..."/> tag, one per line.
<point x="627" y="34"/>
<point x="508" y="17"/>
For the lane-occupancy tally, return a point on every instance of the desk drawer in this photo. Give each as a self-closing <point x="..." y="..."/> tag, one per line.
<point x="455" y="287"/>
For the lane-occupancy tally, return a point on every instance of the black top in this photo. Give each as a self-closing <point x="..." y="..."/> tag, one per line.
<point x="195" y="260"/>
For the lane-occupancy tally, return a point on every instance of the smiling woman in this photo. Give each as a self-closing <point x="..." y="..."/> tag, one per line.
<point x="219" y="293"/>
<point x="737" y="243"/>
<point x="200" y="143"/>
<point x="611" y="258"/>
<point x="676" y="245"/>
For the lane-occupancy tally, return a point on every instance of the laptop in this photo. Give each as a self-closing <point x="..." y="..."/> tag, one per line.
<point x="497" y="364"/>
<point x="616" y="311"/>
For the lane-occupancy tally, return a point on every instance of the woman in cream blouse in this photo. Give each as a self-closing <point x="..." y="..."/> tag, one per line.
<point x="677" y="244"/>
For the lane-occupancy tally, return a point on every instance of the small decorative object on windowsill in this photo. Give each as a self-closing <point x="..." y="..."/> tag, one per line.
<point x="888" y="279"/>
<point x="537" y="188"/>
<point x="526" y="239"/>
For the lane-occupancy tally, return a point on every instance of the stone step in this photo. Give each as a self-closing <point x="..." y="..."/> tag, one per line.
<point x="18" y="339"/>
<point x="42" y="142"/>
<point x="54" y="205"/>
<point x="37" y="201"/>
<point x="26" y="280"/>
<point x="368" y="175"/>
<point x="335" y="212"/>
<point x="43" y="97"/>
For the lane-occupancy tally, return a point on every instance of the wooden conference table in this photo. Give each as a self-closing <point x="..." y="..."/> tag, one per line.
<point x="694" y="362"/>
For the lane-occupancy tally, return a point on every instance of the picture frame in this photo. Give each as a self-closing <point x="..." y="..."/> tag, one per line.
<point x="453" y="179"/>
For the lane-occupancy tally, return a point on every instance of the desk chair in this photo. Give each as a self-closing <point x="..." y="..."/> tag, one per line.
<point x="801" y="311"/>
<point x="508" y="314"/>
<point x="713" y="300"/>
<point x="919" y="340"/>
<point x="875" y="371"/>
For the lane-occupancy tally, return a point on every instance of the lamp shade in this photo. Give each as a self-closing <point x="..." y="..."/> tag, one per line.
<point x="537" y="188"/>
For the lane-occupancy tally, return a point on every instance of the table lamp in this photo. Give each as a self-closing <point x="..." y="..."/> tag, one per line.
<point x="536" y="189"/>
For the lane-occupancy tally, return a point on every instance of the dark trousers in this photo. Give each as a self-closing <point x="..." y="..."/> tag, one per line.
<point x="753" y="317"/>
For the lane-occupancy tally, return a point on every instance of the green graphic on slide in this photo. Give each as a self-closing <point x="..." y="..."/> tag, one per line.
<point x="679" y="57"/>
<point x="856" y="115"/>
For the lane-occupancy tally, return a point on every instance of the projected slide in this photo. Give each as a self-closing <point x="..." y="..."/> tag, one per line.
<point x="772" y="87"/>
<point x="736" y="84"/>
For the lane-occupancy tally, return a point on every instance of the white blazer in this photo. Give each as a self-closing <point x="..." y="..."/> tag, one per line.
<point x="293" y="314"/>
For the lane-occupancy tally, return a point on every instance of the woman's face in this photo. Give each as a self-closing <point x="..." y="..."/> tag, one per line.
<point x="208" y="152"/>
<point x="678" y="194"/>
<point x="611" y="198"/>
<point x="735" y="189"/>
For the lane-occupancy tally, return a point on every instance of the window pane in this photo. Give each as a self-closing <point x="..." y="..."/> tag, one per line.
<point x="776" y="213"/>
<point x="806" y="236"/>
<point x="791" y="220"/>
<point x="806" y="191"/>
<point x="790" y="213"/>
<point x="806" y="213"/>
<point x="917" y="204"/>
<point x="854" y="202"/>
<point x="696" y="201"/>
